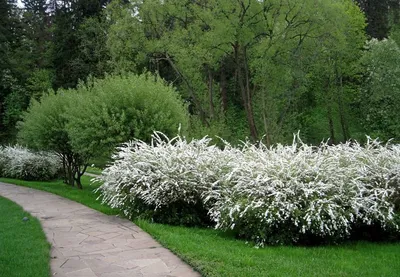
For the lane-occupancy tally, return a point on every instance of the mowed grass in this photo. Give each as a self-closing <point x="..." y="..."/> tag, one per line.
<point x="94" y="170"/>
<point x="24" y="250"/>
<point x="214" y="253"/>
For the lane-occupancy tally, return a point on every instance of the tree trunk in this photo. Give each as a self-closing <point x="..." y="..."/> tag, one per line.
<point x="223" y="85"/>
<point x="70" y="173"/>
<point x="78" y="182"/>
<point x="343" y="122"/>
<point x="72" y="170"/>
<point x="191" y="90"/>
<point x="211" y="93"/>
<point x="65" y="177"/>
<point x="331" y="126"/>
<point x="244" y="84"/>
<point x="78" y="172"/>
<point x="267" y="135"/>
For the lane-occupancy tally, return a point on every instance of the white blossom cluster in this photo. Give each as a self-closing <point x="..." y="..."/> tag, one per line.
<point x="21" y="163"/>
<point x="162" y="172"/>
<point x="323" y="191"/>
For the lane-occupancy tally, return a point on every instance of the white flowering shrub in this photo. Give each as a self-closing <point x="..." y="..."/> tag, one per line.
<point x="280" y="195"/>
<point x="299" y="193"/>
<point x="165" y="179"/>
<point x="21" y="163"/>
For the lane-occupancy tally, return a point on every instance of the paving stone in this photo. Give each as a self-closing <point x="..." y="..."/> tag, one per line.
<point x="87" y="243"/>
<point x="155" y="268"/>
<point x="87" y="272"/>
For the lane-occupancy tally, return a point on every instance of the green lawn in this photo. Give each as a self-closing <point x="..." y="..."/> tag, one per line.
<point x="24" y="250"/>
<point x="94" y="170"/>
<point x="214" y="253"/>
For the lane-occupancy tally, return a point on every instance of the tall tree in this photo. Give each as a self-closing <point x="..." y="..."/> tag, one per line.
<point x="11" y="66"/>
<point x="38" y="34"/>
<point x="68" y="18"/>
<point x="232" y="55"/>
<point x="381" y="16"/>
<point x="380" y="97"/>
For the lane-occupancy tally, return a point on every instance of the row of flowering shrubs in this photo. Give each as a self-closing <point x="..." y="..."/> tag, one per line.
<point x="280" y="195"/>
<point x="21" y="163"/>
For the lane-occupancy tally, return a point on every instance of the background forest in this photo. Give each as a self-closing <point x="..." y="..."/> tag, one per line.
<point x="245" y="68"/>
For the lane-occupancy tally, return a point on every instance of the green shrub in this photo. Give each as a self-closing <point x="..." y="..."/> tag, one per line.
<point x="123" y="107"/>
<point x="44" y="128"/>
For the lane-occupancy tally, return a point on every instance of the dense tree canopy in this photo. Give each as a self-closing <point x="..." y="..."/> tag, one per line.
<point x="246" y="63"/>
<point x="246" y="68"/>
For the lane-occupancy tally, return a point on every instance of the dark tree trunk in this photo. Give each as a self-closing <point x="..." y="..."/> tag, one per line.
<point x="249" y="99"/>
<point x="343" y="122"/>
<point x="223" y="85"/>
<point x="244" y="85"/>
<point x="72" y="170"/>
<point x="78" y="172"/>
<point x="191" y="90"/>
<point x="70" y="174"/>
<point x="78" y="183"/>
<point x="332" y="139"/>
<point x="211" y="93"/>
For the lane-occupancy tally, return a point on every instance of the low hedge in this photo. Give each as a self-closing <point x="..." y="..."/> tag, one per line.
<point x="297" y="194"/>
<point x="21" y="163"/>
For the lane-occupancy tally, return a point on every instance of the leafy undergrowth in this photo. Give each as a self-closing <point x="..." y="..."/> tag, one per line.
<point x="215" y="253"/>
<point x="24" y="250"/>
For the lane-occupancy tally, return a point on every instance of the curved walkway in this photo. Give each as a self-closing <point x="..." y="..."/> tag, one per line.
<point x="88" y="243"/>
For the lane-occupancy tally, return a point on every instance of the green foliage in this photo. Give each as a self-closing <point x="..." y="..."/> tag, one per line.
<point x="90" y="121"/>
<point x="126" y="38"/>
<point x="331" y="75"/>
<point x="122" y="107"/>
<point x="44" y="127"/>
<point x="39" y="83"/>
<point x="93" y="57"/>
<point x="14" y="102"/>
<point x="380" y="96"/>
<point x="381" y="15"/>
<point x="247" y="68"/>
<point x="176" y="213"/>
<point x="249" y="61"/>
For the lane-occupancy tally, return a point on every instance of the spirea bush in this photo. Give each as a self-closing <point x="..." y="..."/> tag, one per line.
<point x="164" y="180"/>
<point x="303" y="194"/>
<point x="21" y="163"/>
<point x="280" y="195"/>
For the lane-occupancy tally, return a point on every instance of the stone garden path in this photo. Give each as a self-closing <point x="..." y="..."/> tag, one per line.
<point x="87" y="243"/>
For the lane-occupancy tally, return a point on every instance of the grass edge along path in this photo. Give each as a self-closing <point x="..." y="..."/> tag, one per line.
<point x="24" y="250"/>
<point x="214" y="253"/>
